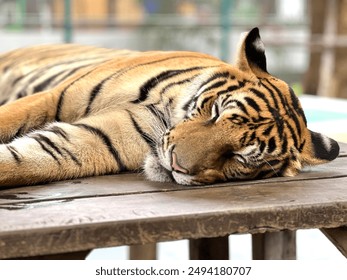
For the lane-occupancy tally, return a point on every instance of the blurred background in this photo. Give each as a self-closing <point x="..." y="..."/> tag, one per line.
<point x="306" y="45"/>
<point x="211" y="26"/>
<point x="305" y="39"/>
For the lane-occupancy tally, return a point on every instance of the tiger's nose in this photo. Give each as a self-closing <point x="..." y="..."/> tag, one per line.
<point x="175" y="165"/>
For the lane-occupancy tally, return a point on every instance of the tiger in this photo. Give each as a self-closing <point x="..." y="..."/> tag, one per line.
<point x="70" y="111"/>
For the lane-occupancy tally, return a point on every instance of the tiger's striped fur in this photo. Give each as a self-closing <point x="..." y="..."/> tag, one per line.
<point x="182" y="116"/>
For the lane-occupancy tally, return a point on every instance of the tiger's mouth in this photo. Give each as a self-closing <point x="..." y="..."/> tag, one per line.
<point x="164" y="166"/>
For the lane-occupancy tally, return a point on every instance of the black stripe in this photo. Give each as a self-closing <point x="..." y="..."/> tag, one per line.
<point x="274" y="112"/>
<point x="107" y="142"/>
<point x="199" y="110"/>
<point x="193" y="99"/>
<point x="124" y="70"/>
<point x="72" y="156"/>
<point x="158" y="114"/>
<point x="153" y="82"/>
<point x="271" y="145"/>
<point x="280" y="128"/>
<point x="14" y="153"/>
<point x="262" y="146"/>
<point x="6" y="68"/>
<point x="69" y="73"/>
<point x="281" y="96"/>
<point x="59" y="131"/>
<point x="274" y="162"/>
<point x="302" y="146"/>
<point x="238" y="118"/>
<point x="43" y="139"/>
<point x="60" y="106"/>
<point x="290" y="113"/>
<point x="228" y="90"/>
<point x="214" y="77"/>
<point x="242" y="83"/>
<point x="43" y="147"/>
<point x="262" y="96"/>
<point x="3" y="102"/>
<point x="297" y="110"/>
<point x="48" y="141"/>
<point x="296" y="104"/>
<point x="62" y="95"/>
<point x="145" y="136"/>
<point x="54" y="79"/>
<point x="288" y="110"/>
<point x="214" y="86"/>
<point x="45" y="84"/>
<point x="37" y="73"/>
<point x="226" y="101"/>
<point x="272" y="94"/>
<point x="95" y="91"/>
<point x="20" y="131"/>
<point x="15" y="81"/>
<point x="211" y="121"/>
<point x="21" y="94"/>
<point x="188" y="80"/>
<point x="238" y="104"/>
<point x="252" y="137"/>
<point x="206" y="99"/>
<point x="265" y="174"/>
<point x="284" y="145"/>
<point x="284" y="167"/>
<point x="251" y="102"/>
<point x="243" y="138"/>
<point x="293" y="134"/>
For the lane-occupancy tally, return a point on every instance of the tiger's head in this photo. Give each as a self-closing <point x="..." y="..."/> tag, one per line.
<point x="242" y="124"/>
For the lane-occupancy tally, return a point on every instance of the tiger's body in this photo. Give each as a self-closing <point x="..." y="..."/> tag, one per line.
<point x="181" y="116"/>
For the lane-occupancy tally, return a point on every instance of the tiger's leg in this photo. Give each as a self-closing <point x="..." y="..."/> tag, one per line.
<point x="26" y="114"/>
<point x="93" y="146"/>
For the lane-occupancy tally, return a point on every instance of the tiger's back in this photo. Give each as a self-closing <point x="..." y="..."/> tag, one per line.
<point x="182" y="116"/>
<point x="33" y="69"/>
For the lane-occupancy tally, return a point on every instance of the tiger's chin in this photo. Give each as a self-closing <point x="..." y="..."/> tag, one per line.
<point x="155" y="171"/>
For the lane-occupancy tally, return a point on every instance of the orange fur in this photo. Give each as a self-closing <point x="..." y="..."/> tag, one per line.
<point x="182" y="116"/>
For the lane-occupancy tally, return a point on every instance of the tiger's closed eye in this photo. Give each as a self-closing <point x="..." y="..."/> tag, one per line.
<point x="238" y="119"/>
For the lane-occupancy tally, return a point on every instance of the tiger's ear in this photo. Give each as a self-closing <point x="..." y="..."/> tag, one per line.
<point x="319" y="149"/>
<point x="251" y="54"/>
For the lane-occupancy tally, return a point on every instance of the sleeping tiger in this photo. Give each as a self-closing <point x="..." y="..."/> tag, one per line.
<point x="182" y="117"/>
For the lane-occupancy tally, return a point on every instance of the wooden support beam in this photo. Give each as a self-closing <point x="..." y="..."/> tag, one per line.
<point x="216" y="248"/>
<point x="143" y="252"/>
<point x="274" y="245"/>
<point x="81" y="255"/>
<point x="338" y="236"/>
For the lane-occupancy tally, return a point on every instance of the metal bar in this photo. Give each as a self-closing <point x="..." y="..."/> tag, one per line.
<point x="67" y="22"/>
<point x="225" y="22"/>
<point x="21" y="9"/>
